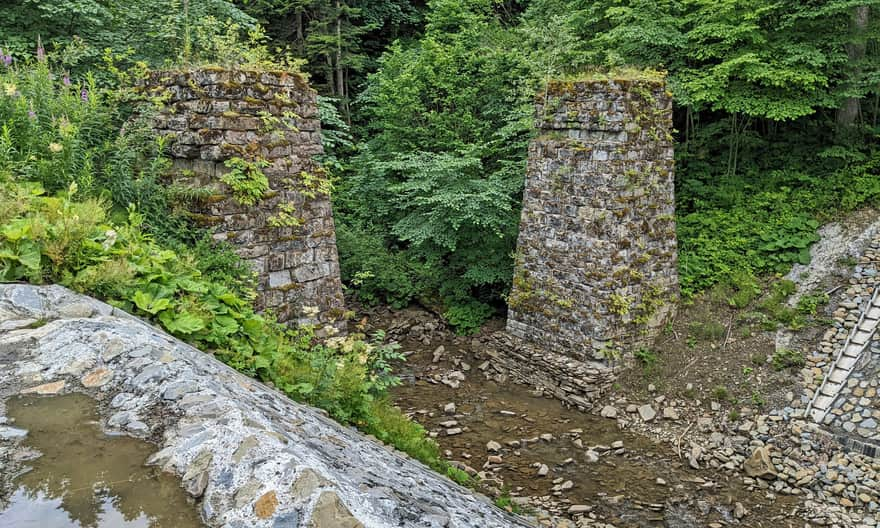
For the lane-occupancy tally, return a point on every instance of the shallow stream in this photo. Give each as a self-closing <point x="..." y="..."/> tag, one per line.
<point x="84" y="478"/>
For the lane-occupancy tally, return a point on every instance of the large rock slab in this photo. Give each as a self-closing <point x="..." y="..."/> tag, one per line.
<point x="760" y="465"/>
<point x="251" y="456"/>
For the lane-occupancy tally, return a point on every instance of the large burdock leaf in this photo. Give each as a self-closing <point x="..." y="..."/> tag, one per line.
<point x="150" y="303"/>
<point x="182" y="322"/>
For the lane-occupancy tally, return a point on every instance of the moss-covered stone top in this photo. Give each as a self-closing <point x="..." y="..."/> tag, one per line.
<point x="208" y="75"/>
<point x="621" y="78"/>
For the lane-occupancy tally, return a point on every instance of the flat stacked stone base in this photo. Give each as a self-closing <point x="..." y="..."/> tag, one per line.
<point x="578" y="383"/>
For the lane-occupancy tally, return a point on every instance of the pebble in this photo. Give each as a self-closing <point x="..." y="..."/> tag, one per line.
<point x="609" y="411"/>
<point x="11" y="433"/>
<point x="647" y="413"/>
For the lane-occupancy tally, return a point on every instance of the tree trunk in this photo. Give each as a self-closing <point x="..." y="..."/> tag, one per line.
<point x="850" y="110"/>
<point x="331" y="82"/>
<point x="300" y="37"/>
<point x="340" y="80"/>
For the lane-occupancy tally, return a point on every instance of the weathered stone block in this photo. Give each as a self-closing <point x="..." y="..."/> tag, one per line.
<point x="596" y="257"/>
<point x="213" y="115"/>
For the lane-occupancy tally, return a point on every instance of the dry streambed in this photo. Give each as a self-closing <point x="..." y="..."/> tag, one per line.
<point x="566" y="467"/>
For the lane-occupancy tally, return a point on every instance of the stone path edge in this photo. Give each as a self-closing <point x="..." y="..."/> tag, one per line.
<point x="251" y="456"/>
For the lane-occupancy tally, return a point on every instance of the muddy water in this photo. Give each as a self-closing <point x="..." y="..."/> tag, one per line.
<point x="85" y="478"/>
<point x="644" y="484"/>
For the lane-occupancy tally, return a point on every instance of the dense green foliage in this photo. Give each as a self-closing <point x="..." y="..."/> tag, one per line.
<point x="62" y="157"/>
<point x="154" y="31"/>
<point x="767" y="148"/>
<point x="442" y="175"/>
<point x="428" y="113"/>
<point x="428" y="202"/>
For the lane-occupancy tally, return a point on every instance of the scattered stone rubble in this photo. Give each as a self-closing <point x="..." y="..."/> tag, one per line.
<point x="830" y="465"/>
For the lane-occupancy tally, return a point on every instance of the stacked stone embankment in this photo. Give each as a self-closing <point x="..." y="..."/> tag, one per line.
<point x="853" y="410"/>
<point x="252" y="124"/>
<point x="250" y="456"/>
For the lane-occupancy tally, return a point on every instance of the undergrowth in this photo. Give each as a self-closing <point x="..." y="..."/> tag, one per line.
<point x="81" y="205"/>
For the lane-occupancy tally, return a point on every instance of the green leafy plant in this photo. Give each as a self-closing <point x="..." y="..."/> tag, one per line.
<point x="285" y="217"/>
<point x="647" y="358"/>
<point x="707" y="330"/>
<point x="758" y="399"/>
<point x="246" y="179"/>
<point x="786" y="358"/>
<point x="720" y="393"/>
<point x="809" y="304"/>
<point x="467" y="318"/>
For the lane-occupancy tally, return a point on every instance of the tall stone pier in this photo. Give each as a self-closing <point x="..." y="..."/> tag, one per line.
<point x="245" y="142"/>
<point x="596" y="257"/>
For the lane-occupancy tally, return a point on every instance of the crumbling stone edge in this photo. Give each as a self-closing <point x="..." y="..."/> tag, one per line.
<point x="249" y="455"/>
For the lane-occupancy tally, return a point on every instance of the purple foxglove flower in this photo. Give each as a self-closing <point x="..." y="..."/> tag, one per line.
<point x="41" y="51"/>
<point x="84" y="95"/>
<point x="66" y="80"/>
<point x="32" y="115"/>
<point x="7" y="60"/>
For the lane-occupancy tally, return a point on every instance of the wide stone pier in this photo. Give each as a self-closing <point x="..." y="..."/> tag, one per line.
<point x="596" y="257"/>
<point x="245" y="142"/>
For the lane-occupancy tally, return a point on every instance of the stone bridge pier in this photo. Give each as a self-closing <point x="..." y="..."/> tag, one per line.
<point x="230" y="129"/>
<point x="595" y="272"/>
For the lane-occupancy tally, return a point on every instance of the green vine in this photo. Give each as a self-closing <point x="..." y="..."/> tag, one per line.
<point x="246" y="179"/>
<point x="315" y="183"/>
<point x="285" y="217"/>
<point x="620" y="304"/>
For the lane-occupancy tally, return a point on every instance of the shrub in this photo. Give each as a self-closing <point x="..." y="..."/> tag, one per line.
<point x="720" y="393"/>
<point x="56" y="130"/>
<point x="785" y="358"/>
<point x="809" y="304"/>
<point x="468" y="315"/>
<point x="377" y="273"/>
<point x="707" y="330"/>
<point x="646" y="357"/>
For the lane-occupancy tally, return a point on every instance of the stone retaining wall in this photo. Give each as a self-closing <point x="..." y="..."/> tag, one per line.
<point x="596" y="257"/>
<point x="251" y="457"/>
<point x="262" y="122"/>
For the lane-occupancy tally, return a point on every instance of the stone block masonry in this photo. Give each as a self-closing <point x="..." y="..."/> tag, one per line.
<point x="249" y="456"/>
<point x="227" y="130"/>
<point x="596" y="258"/>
